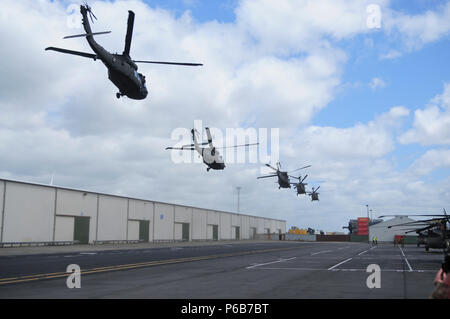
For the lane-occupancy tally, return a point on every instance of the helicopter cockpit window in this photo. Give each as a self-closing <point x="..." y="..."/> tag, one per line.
<point x="142" y="78"/>
<point x="137" y="75"/>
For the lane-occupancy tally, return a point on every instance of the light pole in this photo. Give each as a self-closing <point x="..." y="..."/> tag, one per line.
<point x="238" y="193"/>
<point x="367" y="211"/>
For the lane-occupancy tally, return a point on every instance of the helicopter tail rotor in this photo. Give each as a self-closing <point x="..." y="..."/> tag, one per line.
<point x="89" y="11"/>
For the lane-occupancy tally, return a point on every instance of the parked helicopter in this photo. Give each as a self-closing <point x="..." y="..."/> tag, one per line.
<point x="122" y="70"/>
<point x="283" y="177"/>
<point x="314" y="194"/>
<point x="211" y="156"/>
<point x="435" y="233"/>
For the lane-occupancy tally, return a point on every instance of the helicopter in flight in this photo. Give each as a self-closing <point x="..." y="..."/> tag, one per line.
<point x="283" y="177"/>
<point x="122" y="70"/>
<point x="314" y="194"/>
<point x="300" y="186"/>
<point x="211" y="156"/>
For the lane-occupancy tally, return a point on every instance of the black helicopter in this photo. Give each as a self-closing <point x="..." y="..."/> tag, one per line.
<point x="314" y="194"/>
<point x="122" y="70"/>
<point x="435" y="233"/>
<point x="211" y="156"/>
<point x="283" y="177"/>
<point x="300" y="186"/>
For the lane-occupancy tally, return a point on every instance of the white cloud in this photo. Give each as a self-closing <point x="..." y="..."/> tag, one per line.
<point x="414" y="31"/>
<point x="294" y="26"/>
<point x="377" y="83"/>
<point x="432" y="124"/>
<point x="431" y="160"/>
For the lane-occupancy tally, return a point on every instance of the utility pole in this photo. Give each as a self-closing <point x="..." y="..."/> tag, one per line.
<point x="238" y="192"/>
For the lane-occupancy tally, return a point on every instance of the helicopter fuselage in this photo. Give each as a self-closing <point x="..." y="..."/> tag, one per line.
<point x="283" y="180"/>
<point x="211" y="157"/>
<point x="300" y="188"/>
<point x="122" y="71"/>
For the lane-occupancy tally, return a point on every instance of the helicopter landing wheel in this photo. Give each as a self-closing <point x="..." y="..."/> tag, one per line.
<point x="208" y="169"/>
<point x="118" y="95"/>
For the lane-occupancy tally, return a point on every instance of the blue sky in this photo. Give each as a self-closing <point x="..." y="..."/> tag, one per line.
<point x="202" y="11"/>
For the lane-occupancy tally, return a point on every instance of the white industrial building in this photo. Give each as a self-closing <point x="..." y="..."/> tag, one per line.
<point x="43" y="213"/>
<point x="385" y="234"/>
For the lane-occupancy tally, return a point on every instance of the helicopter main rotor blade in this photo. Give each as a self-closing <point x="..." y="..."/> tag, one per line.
<point x="272" y="167"/>
<point x="180" y="148"/>
<point x="304" y="178"/>
<point x="170" y="63"/>
<point x="437" y="215"/>
<point x="83" y="54"/>
<point x="234" y="146"/>
<point x="300" y="168"/>
<point x="266" y="176"/>
<point x="128" y="37"/>
<point x="85" y="34"/>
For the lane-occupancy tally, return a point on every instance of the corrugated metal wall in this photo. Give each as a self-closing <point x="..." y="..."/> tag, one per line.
<point x="41" y="213"/>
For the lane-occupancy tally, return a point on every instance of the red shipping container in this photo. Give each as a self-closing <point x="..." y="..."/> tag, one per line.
<point x="363" y="226"/>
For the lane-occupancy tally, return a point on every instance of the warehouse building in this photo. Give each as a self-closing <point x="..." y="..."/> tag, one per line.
<point x="41" y="213"/>
<point x="385" y="234"/>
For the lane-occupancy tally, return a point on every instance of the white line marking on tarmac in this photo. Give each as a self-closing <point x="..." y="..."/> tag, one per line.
<point x="361" y="270"/>
<point x="410" y="269"/>
<point x="342" y="262"/>
<point x="272" y="262"/>
<point x="320" y="252"/>
<point x="365" y="251"/>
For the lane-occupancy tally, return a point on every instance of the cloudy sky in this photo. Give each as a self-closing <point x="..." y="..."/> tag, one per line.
<point x="368" y="107"/>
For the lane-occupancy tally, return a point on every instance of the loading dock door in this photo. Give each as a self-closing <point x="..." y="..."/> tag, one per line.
<point x="252" y="232"/>
<point x="81" y="230"/>
<point x="215" y="232"/>
<point x="238" y="233"/>
<point x="185" y="232"/>
<point x="144" y="226"/>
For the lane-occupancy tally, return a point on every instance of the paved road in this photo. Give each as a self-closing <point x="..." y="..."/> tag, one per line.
<point x="225" y="270"/>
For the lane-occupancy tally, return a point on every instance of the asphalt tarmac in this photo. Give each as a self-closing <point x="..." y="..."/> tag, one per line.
<point x="257" y="270"/>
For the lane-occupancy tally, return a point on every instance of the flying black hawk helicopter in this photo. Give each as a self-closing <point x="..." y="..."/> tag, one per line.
<point x="314" y="194"/>
<point x="300" y="186"/>
<point x="283" y="177"/>
<point x="122" y="70"/>
<point x="211" y="156"/>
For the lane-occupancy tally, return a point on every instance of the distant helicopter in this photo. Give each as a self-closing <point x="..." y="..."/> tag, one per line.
<point x="314" y="194"/>
<point x="122" y="70"/>
<point x="283" y="177"/>
<point x="211" y="156"/>
<point x="300" y="186"/>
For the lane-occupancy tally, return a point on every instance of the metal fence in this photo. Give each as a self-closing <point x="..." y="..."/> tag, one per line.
<point x="38" y="243"/>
